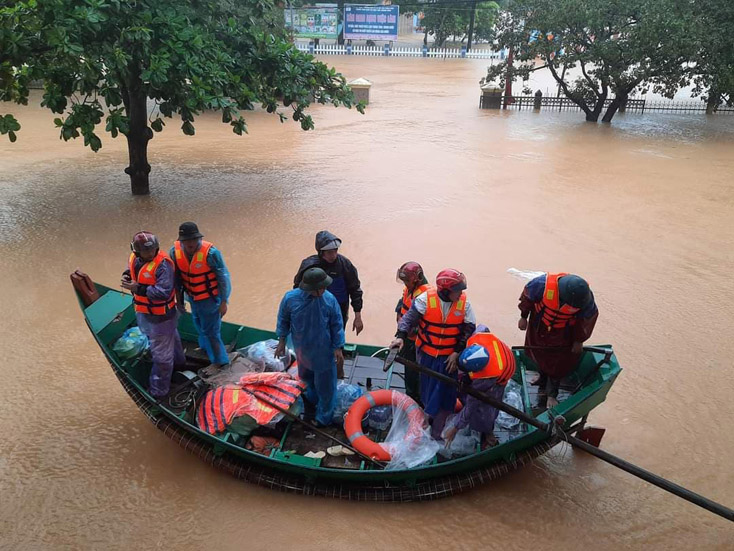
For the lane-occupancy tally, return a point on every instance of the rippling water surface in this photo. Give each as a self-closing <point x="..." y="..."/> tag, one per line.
<point x="643" y="209"/>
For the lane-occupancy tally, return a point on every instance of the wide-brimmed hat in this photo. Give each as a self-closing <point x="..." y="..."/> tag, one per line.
<point x="315" y="279"/>
<point x="188" y="231"/>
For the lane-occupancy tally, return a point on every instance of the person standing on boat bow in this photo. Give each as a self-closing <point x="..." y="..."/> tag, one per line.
<point x="202" y="276"/>
<point x="562" y="316"/>
<point x="445" y="320"/>
<point x="415" y="284"/>
<point x="312" y="317"/>
<point x="150" y="278"/>
<point x="345" y="285"/>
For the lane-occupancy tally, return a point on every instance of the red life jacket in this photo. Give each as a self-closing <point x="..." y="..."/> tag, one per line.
<point x="437" y="336"/>
<point x="146" y="276"/>
<point x="501" y="359"/>
<point x="407" y="300"/>
<point x="554" y="315"/>
<point x="220" y="406"/>
<point x="198" y="278"/>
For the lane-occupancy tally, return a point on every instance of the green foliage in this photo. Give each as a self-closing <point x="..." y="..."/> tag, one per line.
<point x="612" y="47"/>
<point x="713" y="70"/>
<point x="443" y="20"/>
<point x="99" y="59"/>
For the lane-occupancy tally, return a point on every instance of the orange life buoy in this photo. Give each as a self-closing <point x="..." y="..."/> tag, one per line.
<point x="353" y="420"/>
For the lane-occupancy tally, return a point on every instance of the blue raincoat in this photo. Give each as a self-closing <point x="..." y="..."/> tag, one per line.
<point x="315" y="326"/>
<point x="205" y="313"/>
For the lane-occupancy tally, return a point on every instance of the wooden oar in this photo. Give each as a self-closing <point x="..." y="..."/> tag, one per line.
<point x="311" y="427"/>
<point x="639" y="472"/>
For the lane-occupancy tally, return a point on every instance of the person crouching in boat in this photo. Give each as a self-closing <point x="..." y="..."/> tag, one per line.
<point x="415" y="284"/>
<point x="562" y="315"/>
<point x="489" y="364"/>
<point x="312" y="317"/>
<point x="202" y="276"/>
<point x="150" y="278"/>
<point x="445" y="320"/>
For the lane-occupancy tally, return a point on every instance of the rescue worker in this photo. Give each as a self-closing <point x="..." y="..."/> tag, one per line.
<point x="312" y="317"/>
<point x="490" y="364"/>
<point x="150" y="278"/>
<point x="562" y="316"/>
<point x="345" y="279"/>
<point x="202" y="276"/>
<point x="445" y="320"/>
<point x="415" y="284"/>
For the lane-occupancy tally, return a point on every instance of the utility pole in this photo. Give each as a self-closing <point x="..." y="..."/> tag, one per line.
<point x="471" y="24"/>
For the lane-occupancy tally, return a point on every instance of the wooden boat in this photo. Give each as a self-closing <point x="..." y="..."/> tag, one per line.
<point x="287" y="469"/>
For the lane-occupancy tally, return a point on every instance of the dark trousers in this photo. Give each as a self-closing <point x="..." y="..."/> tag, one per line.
<point x="345" y="316"/>
<point x="412" y="377"/>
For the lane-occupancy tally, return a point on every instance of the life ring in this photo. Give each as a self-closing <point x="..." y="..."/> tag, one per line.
<point x="353" y="420"/>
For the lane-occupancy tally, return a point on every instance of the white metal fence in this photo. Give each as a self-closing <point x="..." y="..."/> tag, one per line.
<point x="398" y="51"/>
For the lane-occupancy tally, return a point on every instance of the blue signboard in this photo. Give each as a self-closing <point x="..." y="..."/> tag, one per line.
<point x="371" y="22"/>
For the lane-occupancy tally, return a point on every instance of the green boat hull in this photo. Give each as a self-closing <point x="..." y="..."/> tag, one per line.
<point x="112" y="314"/>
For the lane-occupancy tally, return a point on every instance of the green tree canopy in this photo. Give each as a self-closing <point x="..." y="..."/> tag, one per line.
<point x="137" y="63"/>
<point x="617" y="46"/>
<point x="444" y="19"/>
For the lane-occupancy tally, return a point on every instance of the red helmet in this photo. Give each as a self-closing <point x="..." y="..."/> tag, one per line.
<point x="144" y="241"/>
<point x="410" y="272"/>
<point x="450" y="280"/>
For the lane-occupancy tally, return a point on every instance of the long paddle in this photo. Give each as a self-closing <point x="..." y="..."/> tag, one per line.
<point x="639" y="472"/>
<point x="310" y="426"/>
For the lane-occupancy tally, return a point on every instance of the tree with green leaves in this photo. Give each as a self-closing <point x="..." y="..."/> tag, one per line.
<point x="612" y="47"/>
<point x="444" y="19"/>
<point x="713" y="62"/>
<point x="137" y="63"/>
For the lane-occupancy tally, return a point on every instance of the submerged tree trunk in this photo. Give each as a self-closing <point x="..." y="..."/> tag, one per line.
<point x="616" y="103"/>
<point x="138" y="136"/>
<point x="712" y="102"/>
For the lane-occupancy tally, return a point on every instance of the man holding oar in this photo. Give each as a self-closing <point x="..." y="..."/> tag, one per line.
<point x="562" y="316"/>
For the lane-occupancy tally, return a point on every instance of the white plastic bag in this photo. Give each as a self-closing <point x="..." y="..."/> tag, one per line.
<point x="512" y="397"/>
<point x="409" y="443"/>
<point x="464" y="443"/>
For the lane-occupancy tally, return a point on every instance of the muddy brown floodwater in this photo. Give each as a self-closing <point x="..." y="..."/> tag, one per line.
<point x="643" y="209"/>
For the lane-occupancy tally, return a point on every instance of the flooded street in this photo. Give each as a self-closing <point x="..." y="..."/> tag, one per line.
<point x="643" y="209"/>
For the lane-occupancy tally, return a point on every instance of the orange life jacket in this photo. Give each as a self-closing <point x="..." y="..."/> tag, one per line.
<point x="221" y="405"/>
<point x="146" y="276"/>
<point x="198" y="278"/>
<point x="407" y="300"/>
<point x="501" y="359"/>
<point x="549" y="309"/>
<point x="437" y="336"/>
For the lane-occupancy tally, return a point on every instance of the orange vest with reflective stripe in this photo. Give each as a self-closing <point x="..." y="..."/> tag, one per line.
<point x="437" y="336"/>
<point x="198" y="278"/>
<point x="222" y="405"/>
<point x="407" y="301"/>
<point x="146" y="276"/>
<point x="554" y="315"/>
<point x="501" y="359"/>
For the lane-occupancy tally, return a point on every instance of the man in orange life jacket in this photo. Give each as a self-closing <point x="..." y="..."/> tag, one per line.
<point x="149" y="277"/>
<point x="489" y="364"/>
<point x="562" y="316"/>
<point x="445" y="320"/>
<point x="415" y="284"/>
<point x="203" y="277"/>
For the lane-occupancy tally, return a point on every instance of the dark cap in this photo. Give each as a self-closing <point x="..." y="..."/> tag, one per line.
<point x="188" y="231"/>
<point x="314" y="279"/>
<point x="574" y="291"/>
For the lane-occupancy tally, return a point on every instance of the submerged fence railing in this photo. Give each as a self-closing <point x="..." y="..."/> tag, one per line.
<point x="398" y="51"/>
<point x="633" y="105"/>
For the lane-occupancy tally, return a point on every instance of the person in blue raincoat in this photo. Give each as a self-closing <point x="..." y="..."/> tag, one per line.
<point x="312" y="317"/>
<point x="202" y="276"/>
